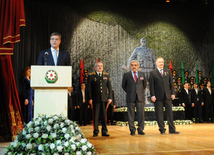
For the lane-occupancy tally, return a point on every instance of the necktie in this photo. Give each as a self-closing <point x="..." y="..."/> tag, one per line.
<point x="161" y="71"/>
<point x="55" y="57"/>
<point x="135" y="77"/>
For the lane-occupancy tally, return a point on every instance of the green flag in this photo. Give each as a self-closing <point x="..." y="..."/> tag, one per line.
<point x="182" y="72"/>
<point x="197" y="77"/>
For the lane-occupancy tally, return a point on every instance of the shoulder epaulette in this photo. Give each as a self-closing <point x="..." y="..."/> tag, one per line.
<point x="104" y="73"/>
<point x="92" y="73"/>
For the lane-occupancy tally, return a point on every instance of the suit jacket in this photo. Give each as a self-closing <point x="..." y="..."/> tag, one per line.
<point x="99" y="88"/>
<point x="71" y="100"/>
<point x="131" y="88"/>
<point x="184" y="97"/>
<point x="208" y="98"/>
<point x="196" y="98"/>
<point x="80" y="98"/>
<point x="161" y="87"/>
<point x="62" y="60"/>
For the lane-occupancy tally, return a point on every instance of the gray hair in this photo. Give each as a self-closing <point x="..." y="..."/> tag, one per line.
<point x="135" y="61"/>
<point x="98" y="63"/>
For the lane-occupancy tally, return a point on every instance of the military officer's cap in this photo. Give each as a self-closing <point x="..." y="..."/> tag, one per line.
<point x="85" y="71"/>
<point x="174" y="72"/>
<point x="205" y="79"/>
<point x="186" y="72"/>
<point x="192" y="78"/>
<point x="175" y="84"/>
<point x="199" y="72"/>
<point x="179" y="78"/>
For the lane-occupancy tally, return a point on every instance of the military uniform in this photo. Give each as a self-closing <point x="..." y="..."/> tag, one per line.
<point x="99" y="91"/>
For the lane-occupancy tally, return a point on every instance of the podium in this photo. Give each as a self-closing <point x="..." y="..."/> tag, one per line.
<point x="50" y="84"/>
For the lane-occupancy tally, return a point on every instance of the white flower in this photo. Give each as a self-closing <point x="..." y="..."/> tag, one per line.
<point x="45" y="136"/>
<point x="67" y="121"/>
<point x="9" y="153"/>
<point x="29" y="146"/>
<point x="56" y="154"/>
<point x="84" y="147"/>
<point x="64" y="130"/>
<point x="58" y="142"/>
<point x="33" y="154"/>
<point x="50" y="121"/>
<point x="23" y="144"/>
<point x="40" y="147"/>
<point x="52" y="146"/>
<point x="53" y="135"/>
<point x="66" y="135"/>
<point x="61" y="125"/>
<point x="88" y="153"/>
<point x="36" y="135"/>
<point x="30" y="124"/>
<point x="45" y="123"/>
<point x="66" y="153"/>
<point x="56" y="126"/>
<point x="83" y="140"/>
<point x="30" y="130"/>
<point x="47" y="116"/>
<point x="78" y="153"/>
<point x="55" y="117"/>
<point x="72" y="127"/>
<point x="24" y="132"/>
<point x="28" y="136"/>
<point x="89" y="145"/>
<point x="77" y="143"/>
<point x="15" y="143"/>
<point x="73" y="147"/>
<point x="66" y="144"/>
<point x="37" y="123"/>
<point x="20" y="154"/>
<point x="48" y="128"/>
<point x="59" y="148"/>
<point x="37" y="129"/>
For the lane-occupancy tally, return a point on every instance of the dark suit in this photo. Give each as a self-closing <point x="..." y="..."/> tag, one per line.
<point x="135" y="96"/>
<point x="208" y="103"/>
<point x="186" y="99"/>
<point x="83" y="107"/>
<point x="99" y="91"/>
<point x="62" y="60"/>
<point x="71" y="106"/>
<point x="197" y="99"/>
<point x="162" y="88"/>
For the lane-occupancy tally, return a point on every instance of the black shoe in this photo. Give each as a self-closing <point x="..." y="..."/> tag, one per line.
<point x="95" y="135"/>
<point x="132" y="133"/>
<point x="106" y="135"/>
<point x="174" y="132"/>
<point x="162" y="133"/>
<point x="141" y="133"/>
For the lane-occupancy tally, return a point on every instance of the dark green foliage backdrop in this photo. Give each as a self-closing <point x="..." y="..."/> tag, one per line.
<point x="110" y="31"/>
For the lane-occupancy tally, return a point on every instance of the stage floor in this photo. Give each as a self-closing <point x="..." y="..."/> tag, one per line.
<point x="196" y="139"/>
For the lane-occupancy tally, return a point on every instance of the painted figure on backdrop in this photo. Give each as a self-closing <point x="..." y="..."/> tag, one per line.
<point x="54" y="56"/>
<point x="100" y="96"/>
<point x="162" y="93"/>
<point x="134" y="84"/>
<point x="28" y="95"/>
<point x="146" y="59"/>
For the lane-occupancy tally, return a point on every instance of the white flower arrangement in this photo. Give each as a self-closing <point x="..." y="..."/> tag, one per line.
<point x="48" y="135"/>
<point x="150" y="109"/>
<point x="149" y="123"/>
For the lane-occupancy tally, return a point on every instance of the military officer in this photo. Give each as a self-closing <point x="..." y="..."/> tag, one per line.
<point x="100" y="96"/>
<point x="174" y="77"/>
<point x="186" y="77"/>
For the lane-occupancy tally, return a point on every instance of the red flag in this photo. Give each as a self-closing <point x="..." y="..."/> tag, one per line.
<point x="81" y="72"/>
<point x="98" y="60"/>
<point x="170" y="66"/>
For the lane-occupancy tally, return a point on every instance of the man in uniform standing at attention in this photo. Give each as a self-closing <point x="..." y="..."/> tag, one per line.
<point x="134" y="84"/>
<point x="162" y="93"/>
<point x="100" y="93"/>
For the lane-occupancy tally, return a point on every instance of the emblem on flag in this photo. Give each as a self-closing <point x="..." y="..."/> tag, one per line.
<point x="51" y="76"/>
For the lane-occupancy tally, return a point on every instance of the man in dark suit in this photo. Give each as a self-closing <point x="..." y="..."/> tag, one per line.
<point x="82" y="105"/>
<point x="185" y="100"/>
<point x="71" y="103"/>
<point x="100" y="96"/>
<point x="162" y="93"/>
<point x="197" y="100"/>
<point x="134" y="84"/>
<point x="53" y="56"/>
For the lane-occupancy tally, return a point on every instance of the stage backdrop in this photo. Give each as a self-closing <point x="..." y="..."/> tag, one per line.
<point x="111" y="31"/>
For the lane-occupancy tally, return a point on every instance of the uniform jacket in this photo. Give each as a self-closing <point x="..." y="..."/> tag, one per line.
<point x="161" y="87"/>
<point x="184" y="97"/>
<point x="196" y="98"/>
<point x="131" y="88"/>
<point x="99" y="88"/>
<point x="63" y="58"/>
<point x="80" y="98"/>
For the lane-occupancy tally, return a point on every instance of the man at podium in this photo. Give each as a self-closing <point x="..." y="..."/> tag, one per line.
<point x="54" y="56"/>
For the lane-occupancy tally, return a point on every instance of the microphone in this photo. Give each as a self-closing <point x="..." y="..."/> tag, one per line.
<point x="46" y="54"/>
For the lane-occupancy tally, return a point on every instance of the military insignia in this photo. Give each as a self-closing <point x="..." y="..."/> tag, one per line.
<point x="166" y="73"/>
<point x="105" y="78"/>
<point x="95" y="79"/>
<point x="51" y="76"/>
<point x="141" y="78"/>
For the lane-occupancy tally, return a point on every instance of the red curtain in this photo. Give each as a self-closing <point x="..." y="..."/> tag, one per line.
<point x="12" y="17"/>
<point x="81" y="72"/>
